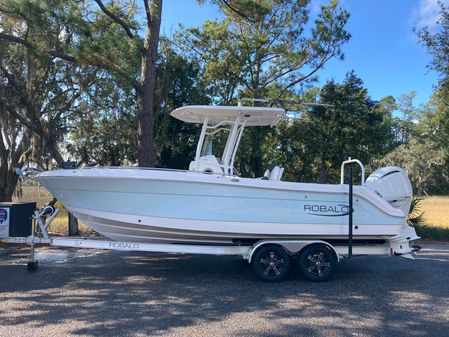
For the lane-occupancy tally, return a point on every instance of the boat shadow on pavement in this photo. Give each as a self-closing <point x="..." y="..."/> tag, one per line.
<point x="137" y="294"/>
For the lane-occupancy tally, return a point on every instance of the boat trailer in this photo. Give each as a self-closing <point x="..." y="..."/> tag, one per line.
<point x="270" y="259"/>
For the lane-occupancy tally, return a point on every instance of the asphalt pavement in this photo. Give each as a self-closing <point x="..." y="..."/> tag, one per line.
<point x="99" y="293"/>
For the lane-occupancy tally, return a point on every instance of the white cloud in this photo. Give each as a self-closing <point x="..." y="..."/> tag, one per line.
<point x="426" y="13"/>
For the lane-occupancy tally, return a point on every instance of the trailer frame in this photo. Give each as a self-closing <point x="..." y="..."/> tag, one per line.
<point x="274" y="257"/>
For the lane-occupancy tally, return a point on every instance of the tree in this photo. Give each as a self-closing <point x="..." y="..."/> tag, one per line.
<point x="314" y="145"/>
<point x="38" y="92"/>
<point x="421" y="154"/>
<point x="387" y="106"/>
<point x="260" y="44"/>
<point x="406" y="123"/>
<point x="437" y="44"/>
<point x="95" y="49"/>
<point x="106" y="135"/>
<point x="15" y="147"/>
<point x="179" y="83"/>
<point x="423" y="161"/>
<point x="103" y="36"/>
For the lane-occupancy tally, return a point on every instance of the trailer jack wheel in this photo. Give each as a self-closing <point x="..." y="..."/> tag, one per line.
<point x="271" y="263"/>
<point x="32" y="265"/>
<point x="317" y="263"/>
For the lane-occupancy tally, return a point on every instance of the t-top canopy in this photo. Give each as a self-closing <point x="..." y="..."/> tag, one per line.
<point x="254" y="116"/>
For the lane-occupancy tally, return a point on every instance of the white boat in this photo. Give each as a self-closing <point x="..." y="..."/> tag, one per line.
<point x="211" y="204"/>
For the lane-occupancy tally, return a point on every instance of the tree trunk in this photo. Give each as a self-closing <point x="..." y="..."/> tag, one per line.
<point x="10" y="181"/>
<point x="145" y="132"/>
<point x="11" y="156"/>
<point x="53" y="150"/>
<point x="145" y="94"/>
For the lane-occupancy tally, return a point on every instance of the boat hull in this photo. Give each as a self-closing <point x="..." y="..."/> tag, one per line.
<point x="182" y="206"/>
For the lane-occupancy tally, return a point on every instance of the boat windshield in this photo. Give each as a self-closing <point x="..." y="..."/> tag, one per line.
<point x="214" y="145"/>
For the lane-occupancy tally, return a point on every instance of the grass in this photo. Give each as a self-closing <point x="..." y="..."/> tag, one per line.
<point x="436" y="211"/>
<point x="40" y="195"/>
<point x="435" y="225"/>
<point x="432" y="233"/>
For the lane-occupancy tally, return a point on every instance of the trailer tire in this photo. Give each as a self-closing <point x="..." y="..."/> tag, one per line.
<point x="317" y="263"/>
<point x="271" y="263"/>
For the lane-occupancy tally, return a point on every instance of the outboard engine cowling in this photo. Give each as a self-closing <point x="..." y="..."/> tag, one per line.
<point x="393" y="185"/>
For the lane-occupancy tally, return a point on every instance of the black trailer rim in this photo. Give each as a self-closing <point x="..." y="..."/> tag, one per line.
<point x="317" y="264"/>
<point x="271" y="263"/>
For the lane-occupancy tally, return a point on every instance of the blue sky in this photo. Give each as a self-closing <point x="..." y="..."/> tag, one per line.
<point x="383" y="51"/>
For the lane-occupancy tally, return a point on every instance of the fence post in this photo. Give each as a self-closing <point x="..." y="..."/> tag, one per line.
<point x="73" y="225"/>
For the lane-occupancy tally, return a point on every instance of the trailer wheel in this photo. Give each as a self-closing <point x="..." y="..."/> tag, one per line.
<point x="317" y="263"/>
<point x="271" y="263"/>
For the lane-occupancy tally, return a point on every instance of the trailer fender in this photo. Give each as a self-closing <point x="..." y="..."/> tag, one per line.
<point x="292" y="247"/>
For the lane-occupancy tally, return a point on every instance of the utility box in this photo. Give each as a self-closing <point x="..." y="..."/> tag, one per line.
<point x="16" y="218"/>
